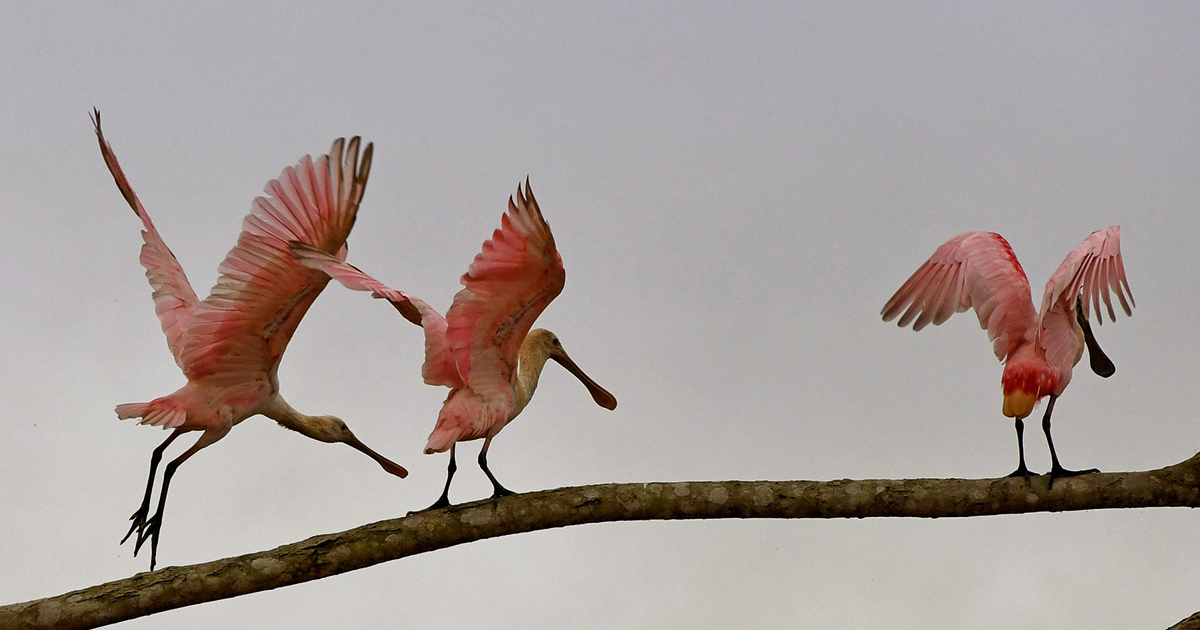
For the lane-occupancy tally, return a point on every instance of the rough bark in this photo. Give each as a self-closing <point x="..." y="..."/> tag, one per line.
<point x="1191" y="623"/>
<point x="322" y="556"/>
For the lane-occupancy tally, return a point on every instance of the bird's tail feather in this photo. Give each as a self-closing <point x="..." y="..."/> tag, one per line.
<point x="441" y="439"/>
<point x="158" y="412"/>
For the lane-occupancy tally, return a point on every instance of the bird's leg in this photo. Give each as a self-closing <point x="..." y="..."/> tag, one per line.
<point x="1056" y="469"/>
<point x="1021" y="470"/>
<point x="139" y="517"/>
<point x="499" y="490"/>
<point x="154" y="524"/>
<point x="444" y="500"/>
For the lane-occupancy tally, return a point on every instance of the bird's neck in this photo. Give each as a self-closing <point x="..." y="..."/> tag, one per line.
<point x="532" y="359"/>
<point x="280" y="411"/>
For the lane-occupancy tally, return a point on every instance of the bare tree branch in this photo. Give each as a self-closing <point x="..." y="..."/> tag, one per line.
<point x="1191" y="623"/>
<point x="323" y="556"/>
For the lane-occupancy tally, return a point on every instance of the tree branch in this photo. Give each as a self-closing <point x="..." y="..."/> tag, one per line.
<point x="1191" y="623"/>
<point x="323" y="556"/>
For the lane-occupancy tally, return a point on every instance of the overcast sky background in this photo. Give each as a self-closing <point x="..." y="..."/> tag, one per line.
<point x="735" y="190"/>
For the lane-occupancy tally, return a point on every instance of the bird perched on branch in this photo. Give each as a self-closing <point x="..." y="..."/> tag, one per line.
<point x="1039" y="348"/>
<point x="483" y="349"/>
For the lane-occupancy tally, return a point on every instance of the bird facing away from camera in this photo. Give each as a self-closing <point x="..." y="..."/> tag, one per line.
<point x="1039" y="349"/>
<point x="483" y="349"/>
<point x="229" y="345"/>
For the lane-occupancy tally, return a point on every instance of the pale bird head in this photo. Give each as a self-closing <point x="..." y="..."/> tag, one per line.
<point x="333" y="429"/>
<point x="547" y="342"/>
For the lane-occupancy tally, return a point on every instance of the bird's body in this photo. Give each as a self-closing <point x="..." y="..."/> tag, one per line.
<point x="229" y="345"/>
<point x="1039" y="348"/>
<point x="469" y="414"/>
<point x="483" y="349"/>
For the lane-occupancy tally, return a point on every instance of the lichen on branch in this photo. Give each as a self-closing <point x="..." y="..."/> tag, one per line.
<point x="331" y="554"/>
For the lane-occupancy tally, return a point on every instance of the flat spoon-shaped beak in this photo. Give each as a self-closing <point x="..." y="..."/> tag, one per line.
<point x="387" y="464"/>
<point x="1101" y="364"/>
<point x="599" y="394"/>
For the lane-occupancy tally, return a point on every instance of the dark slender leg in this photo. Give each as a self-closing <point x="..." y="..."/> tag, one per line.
<point x="1021" y="470"/>
<point x="154" y="524"/>
<point x="1056" y="469"/>
<point x="499" y="490"/>
<point x="139" y="517"/>
<point x="444" y="500"/>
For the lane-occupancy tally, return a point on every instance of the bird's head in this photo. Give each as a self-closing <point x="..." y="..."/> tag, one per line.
<point x="333" y="429"/>
<point x="547" y="342"/>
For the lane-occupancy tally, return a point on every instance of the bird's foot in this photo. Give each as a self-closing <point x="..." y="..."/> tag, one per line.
<point x="139" y="519"/>
<point x="501" y="491"/>
<point x="1058" y="472"/>
<point x="149" y="531"/>
<point x="1021" y="471"/>
<point x="443" y="501"/>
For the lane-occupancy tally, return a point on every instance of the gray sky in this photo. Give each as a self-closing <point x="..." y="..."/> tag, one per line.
<point x="736" y="191"/>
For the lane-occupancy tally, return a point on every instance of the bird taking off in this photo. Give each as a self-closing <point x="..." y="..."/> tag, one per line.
<point x="483" y="349"/>
<point x="979" y="270"/>
<point x="229" y="344"/>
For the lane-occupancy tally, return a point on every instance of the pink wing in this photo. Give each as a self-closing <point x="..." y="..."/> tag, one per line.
<point x="438" y="368"/>
<point x="174" y="299"/>
<point x="262" y="292"/>
<point x="975" y="269"/>
<point x="1090" y="271"/>
<point x="510" y="283"/>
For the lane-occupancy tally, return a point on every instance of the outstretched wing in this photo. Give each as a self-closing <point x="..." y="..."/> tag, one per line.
<point x="975" y="269"/>
<point x="262" y="292"/>
<point x="439" y="366"/>
<point x="1089" y="273"/>
<point x="509" y="284"/>
<point x="174" y="299"/>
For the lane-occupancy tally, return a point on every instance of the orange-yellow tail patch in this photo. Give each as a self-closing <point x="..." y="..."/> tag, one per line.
<point x="1019" y="403"/>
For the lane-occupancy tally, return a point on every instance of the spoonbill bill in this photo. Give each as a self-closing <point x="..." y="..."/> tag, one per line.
<point x="1039" y="349"/>
<point x="229" y="344"/>
<point x="483" y="349"/>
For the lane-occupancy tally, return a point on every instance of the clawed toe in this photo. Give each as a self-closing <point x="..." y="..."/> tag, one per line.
<point x="139" y="525"/>
<point x="147" y="530"/>
<point x="1059" y="472"/>
<point x="1063" y="472"/>
<point x="443" y="501"/>
<point x="1022" y="471"/>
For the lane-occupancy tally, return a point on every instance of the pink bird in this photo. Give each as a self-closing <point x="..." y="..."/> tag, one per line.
<point x="483" y="349"/>
<point x="229" y="345"/>
<point x="979" y="270"/>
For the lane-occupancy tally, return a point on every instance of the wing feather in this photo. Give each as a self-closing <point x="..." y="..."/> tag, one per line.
<point x="1088" y="273"/>
<point x="515" y="276"/>
<point x="439" y="367"/>
<point x="975" y="269"/>
<point x="262" y="292"/>
<point x="174" y="299"/>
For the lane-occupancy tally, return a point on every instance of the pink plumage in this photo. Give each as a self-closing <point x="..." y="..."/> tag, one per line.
<point x="476" y="348"/>
<point x="1039" y="348"/>
<point x="229" y="345"/>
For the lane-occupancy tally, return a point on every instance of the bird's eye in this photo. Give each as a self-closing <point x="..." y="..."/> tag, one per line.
<point x="555" y="342"/>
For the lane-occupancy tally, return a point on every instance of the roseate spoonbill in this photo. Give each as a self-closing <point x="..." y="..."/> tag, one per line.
<point x="229" y="345"/>
<point x="979" y="270"/>
<point x="483" y="349"/>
